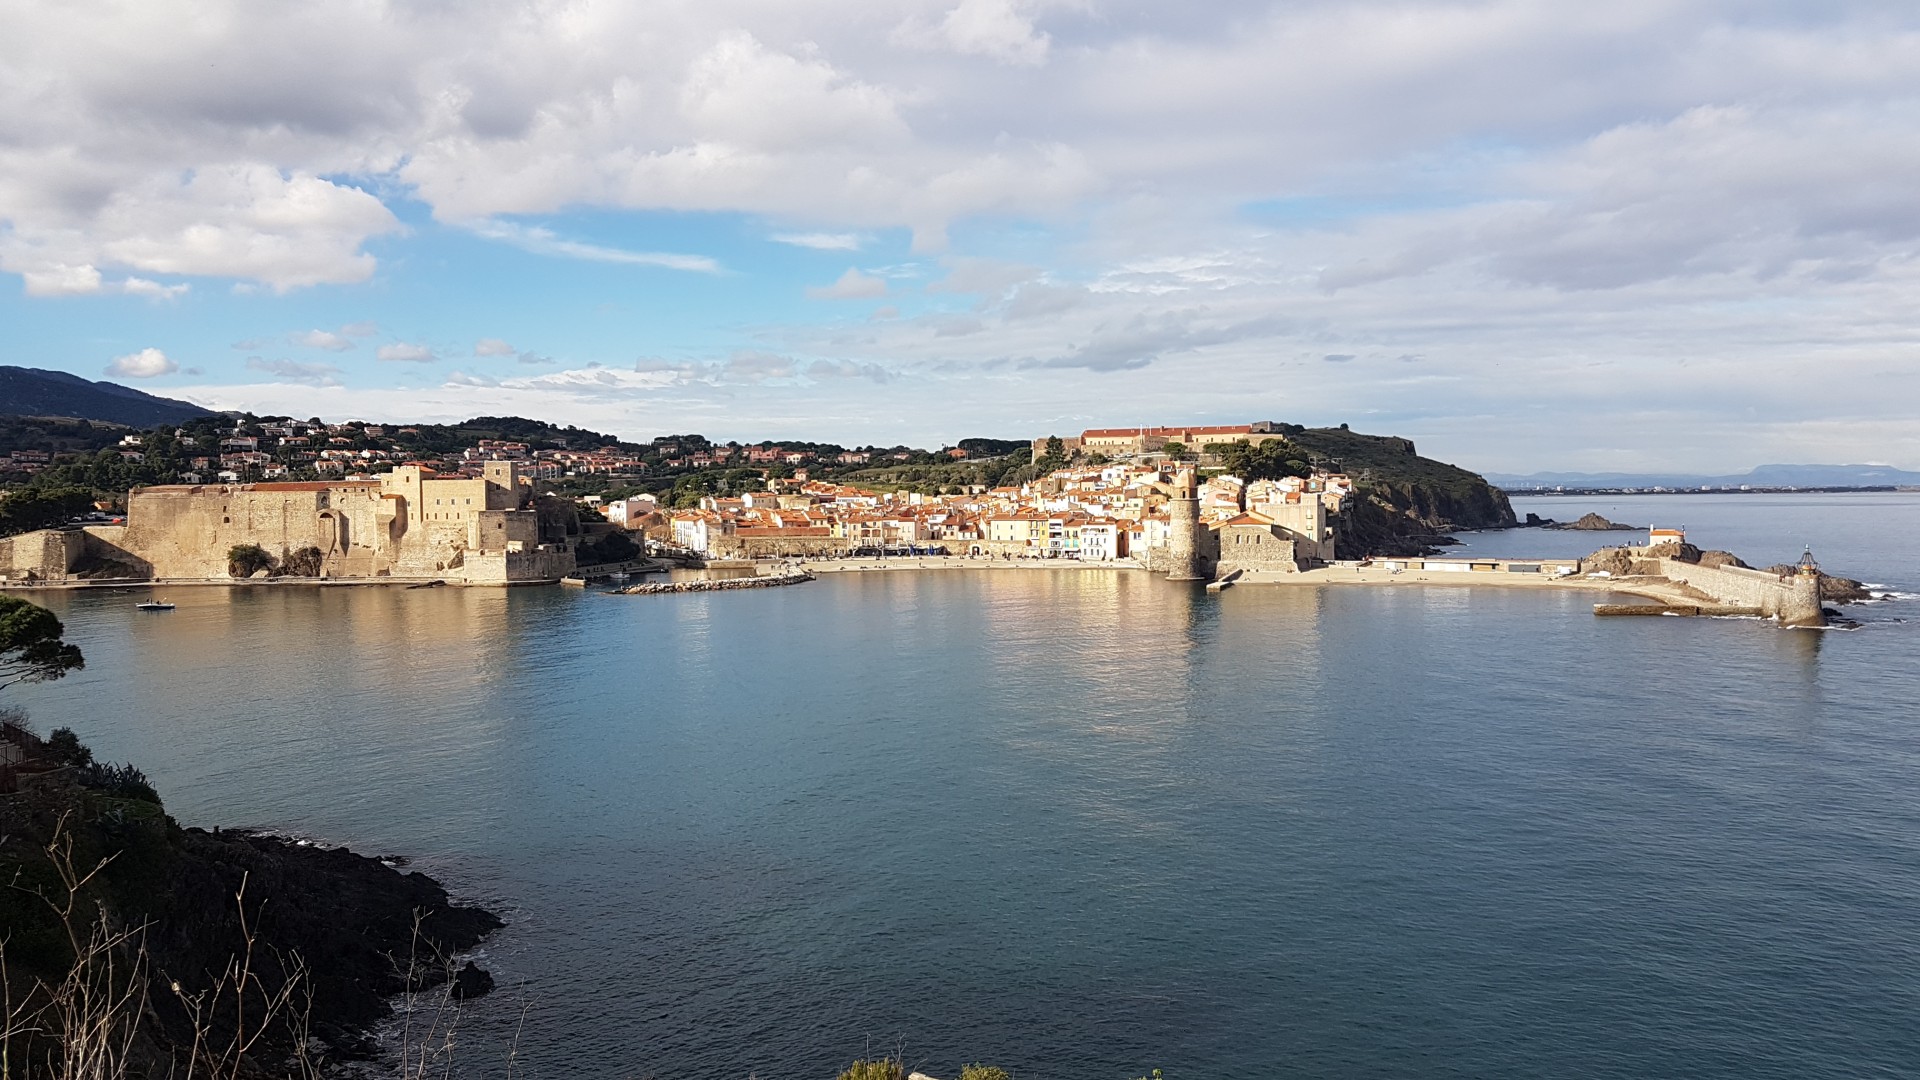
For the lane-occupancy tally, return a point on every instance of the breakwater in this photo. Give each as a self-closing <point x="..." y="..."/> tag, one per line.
<point x="714" y="585"/>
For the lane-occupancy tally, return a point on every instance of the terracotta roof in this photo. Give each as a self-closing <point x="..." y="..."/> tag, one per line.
<point x="1165" y="432"/>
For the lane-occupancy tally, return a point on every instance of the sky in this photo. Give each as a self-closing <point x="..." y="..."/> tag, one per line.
<point x="1529" y="234"/>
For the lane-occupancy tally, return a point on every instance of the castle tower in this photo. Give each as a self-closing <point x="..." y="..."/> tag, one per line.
<point x="1183" y="535"/>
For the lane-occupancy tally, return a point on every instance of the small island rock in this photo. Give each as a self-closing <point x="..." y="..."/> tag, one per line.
<point x="470" y="982"/>
<point x="1593" y="523"/>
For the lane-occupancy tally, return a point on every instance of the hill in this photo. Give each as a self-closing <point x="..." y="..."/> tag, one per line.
<point x="38" y="392"/>
<point x="1409" y="502"/>
<point x="1774" y="476"/>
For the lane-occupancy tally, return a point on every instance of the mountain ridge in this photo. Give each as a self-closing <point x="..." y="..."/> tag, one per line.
<point x="1775" y="475"/>
<point x="28" y="391"/>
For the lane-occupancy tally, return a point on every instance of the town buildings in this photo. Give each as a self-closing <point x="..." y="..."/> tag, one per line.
<point x="1105" y="513"/>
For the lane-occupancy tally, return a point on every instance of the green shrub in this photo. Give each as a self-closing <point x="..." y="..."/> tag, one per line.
<point x="880" y="1069"/>
<point x="984" y="1072"/>
<point x="305" y="562"/>
<point x="245" y="560"/>
<point x="65" y="747"/>
<point x="119" y="781"/>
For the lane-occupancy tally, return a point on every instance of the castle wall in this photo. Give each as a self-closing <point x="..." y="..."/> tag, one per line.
<point x="1256" y="547"/>
<point x="1795" y="601"/>
<point x="363" y="529"/>
<point x="41" y="555"/>
<point x="1306" y="520"/>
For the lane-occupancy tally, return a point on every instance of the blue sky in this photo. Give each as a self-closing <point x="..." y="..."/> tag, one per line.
<point x="1651" y="234"/>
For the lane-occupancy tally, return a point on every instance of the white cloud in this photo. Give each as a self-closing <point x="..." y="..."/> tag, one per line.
<point x="541" y="241"/>
<point x="821" y="241"/>
<point x="323" y="339"/>
<point x="153" y="290"/>
<point x="852" y="285"/>
<point x="145" y="364"/>
<point x="995" y="28"/>
<point x="495" y="347"/>
<point x="360" y="329"/>
<point x="296" y="372"/>
<point x="231" y="219"/>
<point x="403" y="353"/>
<point x="1521" y="193"/>
<point x="57" y="279"/>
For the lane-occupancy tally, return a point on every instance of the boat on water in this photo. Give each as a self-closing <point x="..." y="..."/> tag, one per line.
<point x="153" y="605"/>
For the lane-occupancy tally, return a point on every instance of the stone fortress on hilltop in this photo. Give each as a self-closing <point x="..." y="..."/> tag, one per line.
<point x="410" y="523"/>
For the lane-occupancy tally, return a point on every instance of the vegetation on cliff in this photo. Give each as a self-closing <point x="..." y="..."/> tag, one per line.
<point x="1407" y="503"/>
<point x="133" y="947"/>
<point x="194" y="952"/>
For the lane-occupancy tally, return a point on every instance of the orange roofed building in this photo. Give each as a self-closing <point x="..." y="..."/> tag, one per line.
<point x="1147" y="440"/>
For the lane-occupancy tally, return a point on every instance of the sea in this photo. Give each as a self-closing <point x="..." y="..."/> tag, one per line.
<point x="1086" y="824"/>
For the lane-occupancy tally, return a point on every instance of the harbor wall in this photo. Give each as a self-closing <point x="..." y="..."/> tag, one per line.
<point x="1793" y="600"/>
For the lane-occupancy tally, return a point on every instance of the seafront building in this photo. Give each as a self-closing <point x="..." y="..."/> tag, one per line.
<point x="410" y="523"/>
<point x="1105" y="514"/>
<point x="473" y="517"/>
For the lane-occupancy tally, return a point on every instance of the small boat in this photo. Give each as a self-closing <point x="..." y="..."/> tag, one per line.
<point x="153" y="605"/>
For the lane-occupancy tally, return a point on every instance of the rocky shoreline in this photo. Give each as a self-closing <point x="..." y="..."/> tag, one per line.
<point x="347" y="932"/>
<point x="714" y="584"/>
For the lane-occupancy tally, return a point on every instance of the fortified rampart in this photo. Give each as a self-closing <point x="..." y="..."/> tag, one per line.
<point x="408" y="523"/>
<point x="1794" y="600"/>
<point x="43" y="555"/>
<point x="777" y="544"/>
<point x="1247" y="549"/>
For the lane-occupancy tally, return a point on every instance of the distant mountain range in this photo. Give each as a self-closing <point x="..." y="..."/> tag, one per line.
<point x="37" y="392"/>
<point x="1772" y="476"/>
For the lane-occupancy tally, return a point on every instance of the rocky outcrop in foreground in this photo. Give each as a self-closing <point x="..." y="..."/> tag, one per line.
<point x="347" y="931"/>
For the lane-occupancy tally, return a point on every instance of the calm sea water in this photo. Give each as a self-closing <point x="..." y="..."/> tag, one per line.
<point x="1087" y="824"/>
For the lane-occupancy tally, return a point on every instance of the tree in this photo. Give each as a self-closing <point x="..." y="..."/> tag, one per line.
<point x="612" y="548"/>
<point x="305" y="562"/>
<point x="40" y="508"/>
<point x="31" y="649"/>
<point x="1176" y="451"/>
<point x="1270" y="459"/>
<point x="246" y="560"/>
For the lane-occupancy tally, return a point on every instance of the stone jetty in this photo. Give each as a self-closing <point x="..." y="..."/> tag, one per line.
<point x="715" y="584"/>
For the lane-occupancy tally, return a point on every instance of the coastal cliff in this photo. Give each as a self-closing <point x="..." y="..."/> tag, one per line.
<point x="332" y="934"/>
<point x="1407" y="503"/>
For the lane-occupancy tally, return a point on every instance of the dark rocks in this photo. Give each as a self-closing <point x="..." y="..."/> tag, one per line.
<point x="364" y="929"/>
<point x="715" y="584"/>
<point x="1588" y="523"/>
<point x="470" y="982"/>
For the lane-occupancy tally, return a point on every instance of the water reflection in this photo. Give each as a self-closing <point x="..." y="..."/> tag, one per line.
<point x="746" y="831"/>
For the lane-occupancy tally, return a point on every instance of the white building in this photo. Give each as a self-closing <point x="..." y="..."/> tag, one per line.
<point x="627" y="511"/>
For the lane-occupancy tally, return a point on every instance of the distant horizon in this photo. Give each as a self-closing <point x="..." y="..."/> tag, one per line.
<point x="1654" y="475"/>
<point x="1594" y="238"/>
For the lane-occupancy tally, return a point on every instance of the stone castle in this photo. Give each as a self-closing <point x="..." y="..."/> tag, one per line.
<point x="406" y="524"/>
